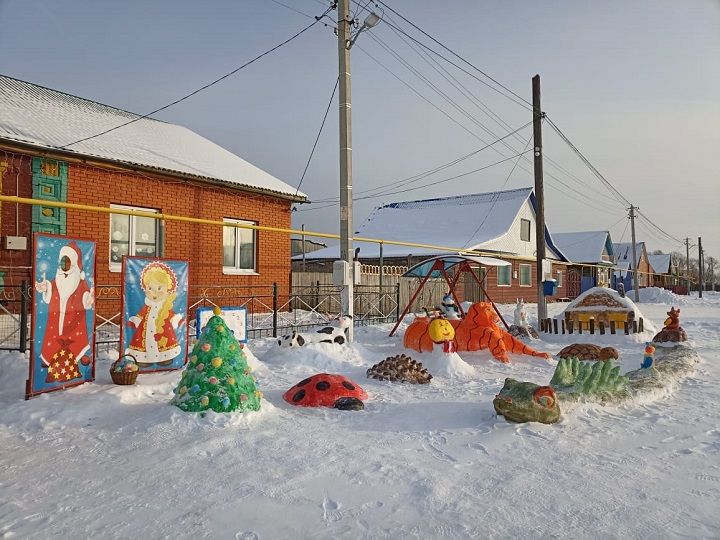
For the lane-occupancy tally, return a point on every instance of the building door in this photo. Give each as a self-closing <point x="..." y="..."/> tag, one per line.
<point x="471" y="290"/>
<point x="49" y="182"/>
<point x="573" y="282"/>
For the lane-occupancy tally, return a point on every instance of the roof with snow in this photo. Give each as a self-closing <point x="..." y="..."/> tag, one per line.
<point x="47" y="119"/>
<point x="660" y="263"/>
<point x="463" y="221"/>
<point x="623" y="252"/>
<point x="585" y="246"/>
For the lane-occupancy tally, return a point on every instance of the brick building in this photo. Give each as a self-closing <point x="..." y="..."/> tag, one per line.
<point x="499" y="224"/>
<point x="146" y="165"/>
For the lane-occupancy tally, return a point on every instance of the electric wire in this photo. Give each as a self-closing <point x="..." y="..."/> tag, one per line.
<point x="322" y="125"/>
<point x="204" y="87"/>
<point x="435" y="183"/>
<point x="473" y="134"/>
<point x="496" y="195"/>
<point x="467" y="114"/>
<point x="419" y="176"/>
<point x="525" y="103"/>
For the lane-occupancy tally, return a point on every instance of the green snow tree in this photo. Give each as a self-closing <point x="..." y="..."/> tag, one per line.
<point x="217" y="376"/>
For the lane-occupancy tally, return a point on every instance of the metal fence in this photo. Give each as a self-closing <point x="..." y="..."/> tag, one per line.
<point x="272" y="310"/>
<point x="15" y="316"/>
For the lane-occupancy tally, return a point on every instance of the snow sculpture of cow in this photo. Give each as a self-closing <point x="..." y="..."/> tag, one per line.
<point x="337" y="333"/>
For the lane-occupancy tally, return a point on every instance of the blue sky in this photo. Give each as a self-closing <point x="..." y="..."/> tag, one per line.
<point x="634" y="84"/>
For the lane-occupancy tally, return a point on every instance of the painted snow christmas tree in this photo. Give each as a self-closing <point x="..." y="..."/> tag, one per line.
<point x="217" y="376"/>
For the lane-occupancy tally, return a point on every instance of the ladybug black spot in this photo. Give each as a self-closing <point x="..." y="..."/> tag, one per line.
<point x="322" y="385"/>
<point x="348" y="385"/>
<point x="303" y="382"/>
<point x="298" y="395"/>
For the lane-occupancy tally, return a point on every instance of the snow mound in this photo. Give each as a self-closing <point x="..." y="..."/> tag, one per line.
<point x="656" y="295"/>
<point x="441" y="364"/>
<point x="624" y="301"/>
<point x="253" y="362"/>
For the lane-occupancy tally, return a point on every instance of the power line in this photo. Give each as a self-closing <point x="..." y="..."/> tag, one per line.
<point x="419" y="176"/>
<point x="496" y="196"/>
<point x="587" y="162"/>
<point x="482" y="106"/>
<point x="204" y="87"/>
<point x="292" y="9"/>
<point x="470" y="132"/>
<point x="527" y="103"/>
<point x="322" y="125"/>
<point x="474" y="120"/>
<point x="423" y="186"/>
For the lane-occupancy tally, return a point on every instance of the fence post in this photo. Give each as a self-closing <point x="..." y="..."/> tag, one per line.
<point x="23" y="315"/>
<point x="397" y="301"/>
<point x="274" y="307"/>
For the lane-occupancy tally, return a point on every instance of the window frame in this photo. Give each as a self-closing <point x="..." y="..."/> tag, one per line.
<point x="520" y="282"/>
<point x="560" y="279"/>
<point x="529" y="229"/>
<point x="234" y="270"/>
<point x="117" y="266"/>
<point x="497" y="271"/>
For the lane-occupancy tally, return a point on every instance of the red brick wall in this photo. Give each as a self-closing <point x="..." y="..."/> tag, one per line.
<point x="200" y="244"/>
<point x="508" y="294"/>
<point x="14" y="263"/>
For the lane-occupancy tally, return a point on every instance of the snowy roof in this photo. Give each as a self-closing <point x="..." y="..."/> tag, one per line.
<point x="660" y="263"/>
<point x="463" y="221"/>
<point x="585" y="246"/>
<point x="48" y="119"/>
<point x="623" y="251"/>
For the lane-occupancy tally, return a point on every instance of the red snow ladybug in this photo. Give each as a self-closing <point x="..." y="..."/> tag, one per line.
<point x="325" y="390"/>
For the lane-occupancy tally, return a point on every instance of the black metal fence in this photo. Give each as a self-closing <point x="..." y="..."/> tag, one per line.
<point x="15" y="317"/>
<point x="272" y="310"/>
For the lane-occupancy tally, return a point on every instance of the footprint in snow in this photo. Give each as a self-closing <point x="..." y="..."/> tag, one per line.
<point x="331" y="509"/>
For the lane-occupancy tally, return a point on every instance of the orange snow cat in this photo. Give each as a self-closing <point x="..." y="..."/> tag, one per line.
<point x="478" y="330"/>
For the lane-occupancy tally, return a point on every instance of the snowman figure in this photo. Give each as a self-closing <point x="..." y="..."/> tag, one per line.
<point x="449" y="308"/>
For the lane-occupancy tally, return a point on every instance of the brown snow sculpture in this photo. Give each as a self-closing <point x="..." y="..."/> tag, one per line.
<point x="400" y="368"/>
<point x="589" y="351"/>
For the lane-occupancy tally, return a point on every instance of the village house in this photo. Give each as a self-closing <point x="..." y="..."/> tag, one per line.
<point x="623" y="260"/>
<point x="499" y="224"/>
<point x="49" y="150"/>
<point x="591" y="255"/>
<point x="663" y="271"/>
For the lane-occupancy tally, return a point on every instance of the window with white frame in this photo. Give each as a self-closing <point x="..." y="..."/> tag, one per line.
<point x="559" y="279"/>
<point x="525" y="230"/>
<point x="239" y="248"/>
<point x="504" y="275"/>
<point x="525" y="275"/>
<point x="133" y="235"/>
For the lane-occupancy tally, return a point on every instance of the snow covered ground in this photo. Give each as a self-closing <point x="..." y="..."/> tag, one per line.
<point x="431" y="461"/>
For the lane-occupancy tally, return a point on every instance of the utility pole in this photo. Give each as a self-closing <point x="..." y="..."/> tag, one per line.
<point x="634" y="254"/>
<point x="687" y="263"/>
<point x="346" y="253"/>
<point x="302" y="240"/>
<point x="701" y="264"/>
<point x="539" y="195"/>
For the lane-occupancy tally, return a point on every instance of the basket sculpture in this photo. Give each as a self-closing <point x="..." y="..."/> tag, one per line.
<point x="123" y="377"/>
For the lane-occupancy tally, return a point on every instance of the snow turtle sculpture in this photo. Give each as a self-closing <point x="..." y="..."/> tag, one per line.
<point x="588" y="351"/>
<point x="400" y="368"/>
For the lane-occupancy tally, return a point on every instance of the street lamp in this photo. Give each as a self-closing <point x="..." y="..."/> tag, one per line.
<point x="345" y="276"/>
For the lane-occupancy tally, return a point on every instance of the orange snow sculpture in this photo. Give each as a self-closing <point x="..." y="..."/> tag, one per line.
<point x="477" y="331"/>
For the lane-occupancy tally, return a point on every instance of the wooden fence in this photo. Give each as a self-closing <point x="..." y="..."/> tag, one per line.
<point x="553" y="326"/>
<point x="431" y="295"/>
